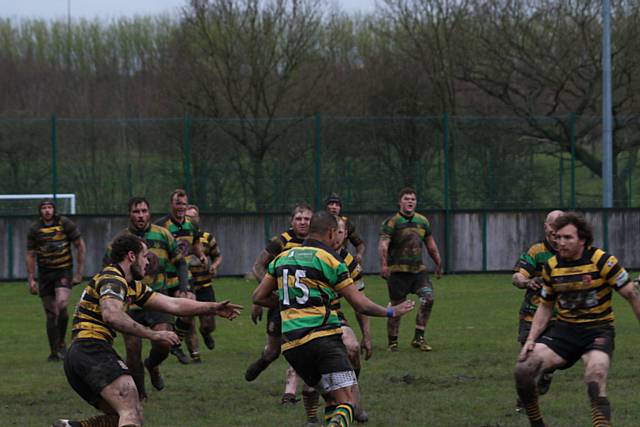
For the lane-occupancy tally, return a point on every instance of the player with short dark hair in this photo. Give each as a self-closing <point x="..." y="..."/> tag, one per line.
<point x="202" y="285"/>
<point x="187" y="235"/>
<point x="92" y="367"/>
<point x="163" y="254"/>
<point x="579" y="282"/>
<point x="333" y="204"/>
<point x="400" y="250"/>
<point x="49" y="243"/>
<point x="294" y="236"/>
<point x="306" y="279"/>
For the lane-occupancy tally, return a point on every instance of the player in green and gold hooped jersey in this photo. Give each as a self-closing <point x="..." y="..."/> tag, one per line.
<point x="92" y="366"/>
<point x="202" y="284"/>
<point x="302" y="282"/>
<point x="163" y="252"/>
<point x="294" y="236"/>
<point x="579" y="281"/>
<point x="188" y="236"/>
<point x="528" y="275"/>
<point x="49" y="242"/>
<point x="400" y="252"/>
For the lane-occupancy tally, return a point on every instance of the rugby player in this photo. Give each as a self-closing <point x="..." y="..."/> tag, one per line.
<point x="92" y="367"/>
<point x="400" y="252"/>
<point x="333" y="204"/>
<point x="528" y="275"/>
<point x="49" y="242"/>
<point x="163" y="253"/>
<point x="202" y="285"/>
<point x="306" y="279"/>
<point x="579" y="281"/>
<point x="294" y="236"/>
<point x="188" y="237"/>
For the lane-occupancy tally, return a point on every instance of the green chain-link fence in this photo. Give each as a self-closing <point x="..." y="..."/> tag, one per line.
<point x="233" y="165"/>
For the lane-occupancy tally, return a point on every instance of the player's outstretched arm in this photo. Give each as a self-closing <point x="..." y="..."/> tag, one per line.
<point x="264" y="294"/>
<point x="189" y="307"/>
<point x="520" y="281"/>
<point x="631" y="293"/>
<point x="538" y="325"/>
<point x="260" y="266"/>
<point x="364" y="305"/>
<point x="113" y="314"/>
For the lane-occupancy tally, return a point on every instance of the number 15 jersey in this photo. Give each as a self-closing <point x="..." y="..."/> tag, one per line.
<point x="308" y="279"/>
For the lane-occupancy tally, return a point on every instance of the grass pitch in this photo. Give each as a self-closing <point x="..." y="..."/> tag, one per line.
<point x="466" y="381"/>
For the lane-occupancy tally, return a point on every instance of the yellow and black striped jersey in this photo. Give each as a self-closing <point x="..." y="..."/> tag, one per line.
<point x="109" y="283"/>
<point x="309" y="278"/>
<point x="52" y="243"/>
<point x="582" y="289"/>
<point x="355" y="272"/>
<point x="283" y="242"/>
<point x="200" y="272"/>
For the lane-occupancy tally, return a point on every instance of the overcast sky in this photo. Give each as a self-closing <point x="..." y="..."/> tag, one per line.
<point x="51" y="9"/>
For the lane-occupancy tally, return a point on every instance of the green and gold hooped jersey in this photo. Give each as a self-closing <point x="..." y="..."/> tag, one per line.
<point x="582" y="289"/>
<point x="406" y="234"/>
<point x="201" y="276"/>
<point x="530" y="265"/>
<point x="308" y="279"/>
<point x="109" y="283"/>
<point x="52" y="243"/>
<point x="162" y="244"/>
<point x="186" y="232"/>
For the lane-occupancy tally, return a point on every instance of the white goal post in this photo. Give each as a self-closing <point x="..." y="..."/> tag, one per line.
<point x="70" y="196"/>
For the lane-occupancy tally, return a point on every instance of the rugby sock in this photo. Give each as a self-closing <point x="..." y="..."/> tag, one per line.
<point x="63" y="320"/>
<point x="311" y="400"/>
<point x="534" y="414"/>
<point x="419" y="333"/>
<point x="101" y="421"/>
<point x="600" y="407"/>
<point x="342" y="416"/>
<point x="392" y="339"/>
<point x="328" y="413"/>
<point x="156" y="357"/>
<point x="52" y="334"/>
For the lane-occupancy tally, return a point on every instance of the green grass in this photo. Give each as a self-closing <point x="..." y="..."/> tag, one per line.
<point x="466" y="381"/>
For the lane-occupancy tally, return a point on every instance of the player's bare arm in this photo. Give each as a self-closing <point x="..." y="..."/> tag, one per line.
<point x="189" y="307"/>
<point x="364" y="305"/>
<point x="538" y="325"/>
<point x="30" y="260"/>
<point x="114" y="315"/>
<point x="434" y="253"/>
<point x="81" y="252"/>
<point x="383" y="252"/>
<point x="520" y="281"/>
<point x="264" y="295"/>
<point x="360" y="248"/>
<point x="365" y="343"/>
<point x="215" y="264"/>
<point x="260" y="266"/>
<point x="631" y="293"/>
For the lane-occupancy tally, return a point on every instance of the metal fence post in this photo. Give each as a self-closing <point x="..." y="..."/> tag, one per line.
<point x="10" y="250"/>
<point x="54" y="156"/>
<point x="484" y="241"/>
<point x="318" y="162"/>
<point x="572" y="136"/>
<point x="447" y="213"/>
<point x="186" y="150"/>
<point x="561" y="180"/>
<point x="605" y="229"/>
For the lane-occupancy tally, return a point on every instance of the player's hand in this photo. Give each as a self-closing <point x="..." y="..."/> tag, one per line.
<point x="527" y="348"/>
<point x="33" y="287"/>
<point x="384" y="271"/>
<point x="359" y="259"/>
<point x="535" y="284"/>
<point x="186" y="294"/>
<point x="168" y="338"/>
<point x="365" y="348"/>
<point x="256" y="313"/>
<point x="438" y="271"/>
<point x="403" y="308"/>
<point x="77" y="278"/>
<point x="227" y="310"/>
<point x="213" y="270"/>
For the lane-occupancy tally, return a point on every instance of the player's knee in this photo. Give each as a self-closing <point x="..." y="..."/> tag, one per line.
<point x="426" y="299"/>
<point x="595" y="376"/>
<point x="524" y="372"/>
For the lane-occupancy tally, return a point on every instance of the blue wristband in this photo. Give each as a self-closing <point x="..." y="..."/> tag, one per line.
<point x="389" y="311"/>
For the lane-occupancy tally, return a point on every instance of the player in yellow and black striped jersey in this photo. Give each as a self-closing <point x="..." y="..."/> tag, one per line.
<point x="579" y="281"/>
<point x="293" y="237"/>
<point x="92" y="367"/>
<point x="202" y="284"/>
<point x="49" y="243"/>
<point x="305" y="280"/>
